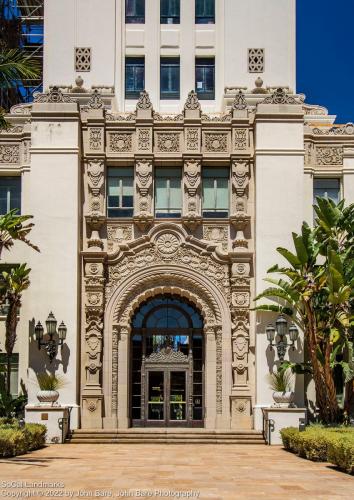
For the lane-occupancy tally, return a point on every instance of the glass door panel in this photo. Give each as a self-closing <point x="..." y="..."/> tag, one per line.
<point x="178" y="395"/>
<point x="156" y="396"/>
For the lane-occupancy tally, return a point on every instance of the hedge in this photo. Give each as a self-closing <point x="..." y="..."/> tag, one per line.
<point x="318" y="443"/>
<point x="16" y="441"/>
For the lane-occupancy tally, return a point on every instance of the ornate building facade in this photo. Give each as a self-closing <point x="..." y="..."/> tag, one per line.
<point x="157" y="227"/>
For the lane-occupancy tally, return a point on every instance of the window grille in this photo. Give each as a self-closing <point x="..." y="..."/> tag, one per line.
<point x="82" y="59"/>
<point x="255" y="60"/>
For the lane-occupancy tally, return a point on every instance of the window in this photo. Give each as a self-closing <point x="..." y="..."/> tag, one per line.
<point x="255" y="60"/>
<point x="134" y="77"/>
<point x="205" y="78"/>
<point x="169" y="78"/>
<point x="14" y="373"/>
<point x="135" y="11"/>
<point x="10" y="194"/>
<point x="169" y="11"/>
<point x="120" y="196"/>
<point x="82" y="59"/>
<point x="215" y="192"/>
<point x="168" y="193"/>
<point x="328" y="188"/>
<point x="204" y="11"/>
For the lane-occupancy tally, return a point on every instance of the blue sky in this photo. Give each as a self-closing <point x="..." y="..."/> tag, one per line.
<point x="325" y="55"/>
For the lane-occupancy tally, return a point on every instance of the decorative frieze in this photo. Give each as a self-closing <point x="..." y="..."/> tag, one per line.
<point x="55" y="95"/>
<point x="168" y="142"/>
<point x="216" y="142"/>
<point x="96" y="138"/>
<point x="192" y="139"/>
<point x="10" y="154"/>
<point x="144" y="139"/>
<point x="120" y="142"/>
<point x="329" y="155"/>
<point x="240" y="141"/>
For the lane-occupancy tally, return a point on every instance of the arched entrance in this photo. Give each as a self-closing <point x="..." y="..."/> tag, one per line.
<point x="167" y="364"/>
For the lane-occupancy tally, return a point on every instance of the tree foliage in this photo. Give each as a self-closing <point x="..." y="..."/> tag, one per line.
<point x="317" y="290"/>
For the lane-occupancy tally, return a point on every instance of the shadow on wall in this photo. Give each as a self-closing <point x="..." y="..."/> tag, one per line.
<point x="38" y="359"/>
<point x="294" y="356"/>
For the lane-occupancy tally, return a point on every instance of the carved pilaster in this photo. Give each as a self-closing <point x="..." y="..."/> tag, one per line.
<point x="218" y="335"/>
<point x="240" y="303"/>
<point x="239" y="217"/>
<point x="95" y="207"/>
<point x="143" y="216"/>
<point x="191" y="196"/>
<point x="92" y="394"/>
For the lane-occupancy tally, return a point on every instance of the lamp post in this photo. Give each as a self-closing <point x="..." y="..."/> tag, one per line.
<point x="50" y="345"/>
<point x="277" y="336"/>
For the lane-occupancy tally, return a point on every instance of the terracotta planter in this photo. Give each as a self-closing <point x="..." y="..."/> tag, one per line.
<point x="283" y="399"/>
<point x="47" y="397"/>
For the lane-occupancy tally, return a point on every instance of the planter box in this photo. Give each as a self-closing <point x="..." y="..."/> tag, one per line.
<point x="49" y="416"/>
<point x="275" y="419"/>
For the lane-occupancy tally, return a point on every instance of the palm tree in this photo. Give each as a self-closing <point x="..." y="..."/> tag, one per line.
<point x="14" y="284"/>
<point x="14" y="227"/>
<point x="15" y="66"/>
<point x="318" y="293"/>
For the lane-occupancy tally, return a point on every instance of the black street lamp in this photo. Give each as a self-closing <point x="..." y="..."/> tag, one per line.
<point x="279" y="334"/>
<point x="51" y="344"/>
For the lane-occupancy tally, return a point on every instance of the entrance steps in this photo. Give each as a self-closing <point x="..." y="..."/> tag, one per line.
<point x="165" y="436"/>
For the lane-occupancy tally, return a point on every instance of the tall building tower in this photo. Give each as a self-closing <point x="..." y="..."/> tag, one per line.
<point x="167" y="158"/>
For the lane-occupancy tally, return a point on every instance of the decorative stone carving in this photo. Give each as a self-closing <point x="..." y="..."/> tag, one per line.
<point x="95" y="101"/>
<point x="55" y="95"/>
<point x="167" y="355"/>
<point x="10" y="154"/>
<point x="168" y="142"/>
<point x="95" y="178"/>
<point x="192" y="139"/>
<point x="329" y="155"/>
<point x="118" y="234"/>
<point x="241" y="299"/>
<point x="347" y="129"/>
<point x="191" y="201"/>
<point x="281" y="97"/>
<point x="239" y="103"/>
<point x="143" y="183"/>
<point x="144" y="101"/>
<point x="167" y="243"/>
<point x="240" y="138"/>
<point x="26" y="152"/>
<point x="310" y="153"/>
<point x="192" y="102"/>
<point x="217" y="234"/>
<point x="144" y="139"/>
<point x="239" y="217"/>
<point x="120" y="142"/>
<point x="95" y="138"/>
<point x="219" y="370"/>
<point x="216" y="142"/>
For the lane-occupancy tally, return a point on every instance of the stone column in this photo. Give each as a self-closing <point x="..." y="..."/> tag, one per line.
<point x="210" y="379"/>
<point x="123" y="378"/>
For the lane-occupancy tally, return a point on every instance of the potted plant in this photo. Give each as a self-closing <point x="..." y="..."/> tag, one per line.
<point x="281" y="383"/>
<point x="49" y="385"/>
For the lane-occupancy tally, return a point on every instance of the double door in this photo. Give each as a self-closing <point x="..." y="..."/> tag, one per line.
<point x="167" y="401"/>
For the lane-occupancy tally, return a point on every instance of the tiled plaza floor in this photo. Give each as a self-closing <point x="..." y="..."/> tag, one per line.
<point x="166" y="471"/>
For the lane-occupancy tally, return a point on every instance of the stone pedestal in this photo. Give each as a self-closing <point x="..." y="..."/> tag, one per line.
<point x="241" y="417"/>
<point x="51" y="417"/>
<point x="275" y="419"/>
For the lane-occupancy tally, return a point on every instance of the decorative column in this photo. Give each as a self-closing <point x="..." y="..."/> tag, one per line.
<point x="239" y="217"/>
<point x="93" y="261"/>
<point x="241" y="402"/>
<point x="191" y="197"/>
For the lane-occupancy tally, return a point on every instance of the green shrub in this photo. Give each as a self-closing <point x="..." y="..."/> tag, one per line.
<point x="341" y="452"/>
<point x="318" y="443"/>
<point x="16" y="441"/>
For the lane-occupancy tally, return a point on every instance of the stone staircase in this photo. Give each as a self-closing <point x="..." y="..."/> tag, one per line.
<point x="165" y="436"/>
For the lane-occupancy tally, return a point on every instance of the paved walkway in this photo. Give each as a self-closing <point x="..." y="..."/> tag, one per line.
<point x="166" y="471"/>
